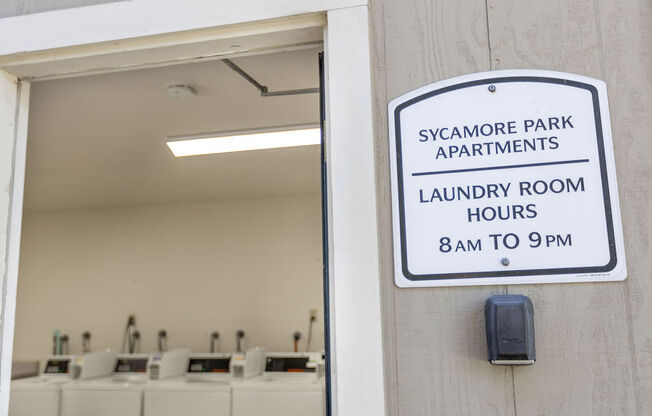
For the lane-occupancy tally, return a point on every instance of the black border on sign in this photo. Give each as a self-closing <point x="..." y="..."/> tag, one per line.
<point x="507" y="273"/>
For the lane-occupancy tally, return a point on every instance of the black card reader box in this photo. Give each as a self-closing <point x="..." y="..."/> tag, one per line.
<point x="509" y="322"/>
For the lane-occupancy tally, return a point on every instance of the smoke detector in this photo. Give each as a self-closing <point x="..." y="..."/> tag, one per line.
<point x="180" y="91"/>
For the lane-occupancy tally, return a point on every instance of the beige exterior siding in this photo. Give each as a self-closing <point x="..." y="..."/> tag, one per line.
<point x="593" y="340"/>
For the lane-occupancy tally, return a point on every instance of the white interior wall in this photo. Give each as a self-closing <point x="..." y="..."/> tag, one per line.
<point x="189" y="268"/>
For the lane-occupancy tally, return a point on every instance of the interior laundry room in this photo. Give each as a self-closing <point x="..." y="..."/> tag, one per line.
<point x="175" y="208"/>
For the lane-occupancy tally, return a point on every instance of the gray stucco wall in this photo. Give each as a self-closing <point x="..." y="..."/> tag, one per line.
<point x="10" y="8"/>
<point x="594" y="341"/>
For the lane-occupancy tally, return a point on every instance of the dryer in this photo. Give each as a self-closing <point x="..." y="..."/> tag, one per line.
<point x="206" y="388"/>
<point x="292" y="385"/>
<point x="41" y="395"/>
<point x="117" y="394"/>
<point x="204" y="391"/>
<point x="121" y="394"/>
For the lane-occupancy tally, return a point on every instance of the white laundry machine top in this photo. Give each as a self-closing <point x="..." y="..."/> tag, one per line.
<point x="38" y="383"/>
<point x="104" y="384"/>
<point x="206" y="372"/>
<point x="55" y="373"/>
<point x="182" y="384"/>
<point x="274" y="383"/>
<point x="291" y="371"/>
<point x="129" y="373"/>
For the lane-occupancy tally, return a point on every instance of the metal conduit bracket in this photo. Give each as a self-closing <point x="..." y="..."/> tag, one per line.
<point x="264" y="91"/>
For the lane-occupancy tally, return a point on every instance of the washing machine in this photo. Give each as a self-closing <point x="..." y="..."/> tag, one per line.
<point x="121" y="393"/>
<point x="41" y="395"/>
<point x="206" y="388"/>
<point x="117" y="394"/>
<point x="204" y="391"/>
<point x="292" y="385"/>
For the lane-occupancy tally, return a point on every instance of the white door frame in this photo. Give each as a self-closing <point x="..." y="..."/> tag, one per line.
<point x="104" y="37"/>
<point x="14" y="107"/>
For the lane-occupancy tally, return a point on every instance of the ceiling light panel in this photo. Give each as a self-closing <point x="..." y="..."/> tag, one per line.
<point x="245" y="142"/>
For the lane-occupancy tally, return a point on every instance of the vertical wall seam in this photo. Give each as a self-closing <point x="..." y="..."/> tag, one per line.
<point x="505" y="287"/>
<point x="598" y="27"/>
<point x="392" y="404"/>
<point x="486" y="8"/>
<point x="626" y="292"/>
<point x="632" y="346"/>
<point x="514" y="391"/>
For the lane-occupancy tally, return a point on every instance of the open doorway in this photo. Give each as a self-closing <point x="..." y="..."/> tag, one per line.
<point x="116" y="226"/>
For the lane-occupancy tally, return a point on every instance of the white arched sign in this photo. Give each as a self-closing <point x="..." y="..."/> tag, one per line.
<point x="505" y="177"/>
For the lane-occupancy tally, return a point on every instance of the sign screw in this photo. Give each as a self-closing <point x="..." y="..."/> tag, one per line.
<point x="492" y="88"/>
<point x="504" y="261"/>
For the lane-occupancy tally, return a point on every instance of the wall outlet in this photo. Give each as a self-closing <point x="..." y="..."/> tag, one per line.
<point x="313" y="314"/>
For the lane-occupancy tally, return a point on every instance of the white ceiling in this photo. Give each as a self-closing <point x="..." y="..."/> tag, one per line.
<point x="99" y="141"/>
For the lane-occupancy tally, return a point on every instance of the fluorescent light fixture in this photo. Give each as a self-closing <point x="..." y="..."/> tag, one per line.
<point x="242" y="142"/>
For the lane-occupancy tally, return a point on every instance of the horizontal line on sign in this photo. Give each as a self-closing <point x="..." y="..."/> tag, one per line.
<point x="527" y="165"/>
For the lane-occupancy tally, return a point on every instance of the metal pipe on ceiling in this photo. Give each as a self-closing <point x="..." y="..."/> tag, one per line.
<point x="264" y="91"/>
